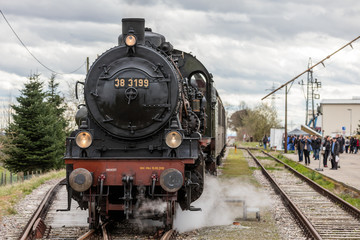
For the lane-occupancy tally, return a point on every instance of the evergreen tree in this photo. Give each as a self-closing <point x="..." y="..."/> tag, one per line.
<point x="31" y="146"/>
<point x="58" y="108"/>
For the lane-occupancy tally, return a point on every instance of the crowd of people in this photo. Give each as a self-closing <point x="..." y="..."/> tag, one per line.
<point x="332" y="148"/>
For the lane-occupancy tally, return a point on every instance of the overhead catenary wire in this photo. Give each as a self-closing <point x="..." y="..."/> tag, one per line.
<point x="42" y="64"/>
<point x="320" y="62"/>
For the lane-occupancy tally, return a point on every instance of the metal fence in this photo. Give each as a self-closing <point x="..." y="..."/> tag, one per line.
<point x="7" y="177"/>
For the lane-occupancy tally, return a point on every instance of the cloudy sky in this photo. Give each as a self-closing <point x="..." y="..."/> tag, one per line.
<point x="248" y="45"/>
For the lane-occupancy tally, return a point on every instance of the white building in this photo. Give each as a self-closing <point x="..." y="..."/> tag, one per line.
<point x="340" y="116"/>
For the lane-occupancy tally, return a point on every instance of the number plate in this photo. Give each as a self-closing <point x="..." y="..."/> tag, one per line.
<point x="131" y="82"/>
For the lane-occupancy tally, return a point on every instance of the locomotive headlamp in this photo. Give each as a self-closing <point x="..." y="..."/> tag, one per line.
<point x="83" y="139"/>
<point x="80" y="179"/>
<point x="130" y="40"/>
<point x="173" y="139"/>
<point x="171" y="180"/>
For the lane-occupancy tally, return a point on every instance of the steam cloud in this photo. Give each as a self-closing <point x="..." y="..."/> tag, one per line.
<point x="215" y="209"/>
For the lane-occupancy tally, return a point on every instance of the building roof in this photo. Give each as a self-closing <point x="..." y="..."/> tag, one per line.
<point x="340" y="101"/>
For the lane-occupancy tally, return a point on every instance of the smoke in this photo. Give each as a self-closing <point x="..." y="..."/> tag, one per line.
<point x="215" y="208"/>
<point x="148" y="208"/>
<point x="156" y="206"/>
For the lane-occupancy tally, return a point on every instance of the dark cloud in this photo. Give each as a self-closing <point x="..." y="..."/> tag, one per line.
<point x="248" y="45"/>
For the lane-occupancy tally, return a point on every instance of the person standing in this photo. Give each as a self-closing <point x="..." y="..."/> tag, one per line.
<point x="299" y="147"/>
<point x="327" y="147"/>
<point x="307" y="149"/>
<point x="352" y="144"/>
<point x="335" y="149"/>
<point x="312" y="138"/>
<point x="341" y="141"/>
<point x="265" y="141"/>
<point x="293" y="143"/>
<point x="316" y="144"/>
<point x="347" y="144"/>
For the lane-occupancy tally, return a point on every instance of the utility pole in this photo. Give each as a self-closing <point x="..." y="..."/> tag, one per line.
<point x="308" y="92"/>
<point x="311" y="86"/>
<point x="285" y="137"/>
<point x="87" y="65"/>
<point x="273" y="97"/>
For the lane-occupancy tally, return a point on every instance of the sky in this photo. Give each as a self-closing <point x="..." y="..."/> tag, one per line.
<point x="250" y="46"/>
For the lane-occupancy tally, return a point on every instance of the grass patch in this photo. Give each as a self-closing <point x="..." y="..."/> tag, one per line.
<point x="248" y="144"/>
<point x="270" y="164"/>
<point x="353" y="201"/>
<point x="235" y="164"/>
<point x="11" y="211"/>
<point x="12" y="194"/>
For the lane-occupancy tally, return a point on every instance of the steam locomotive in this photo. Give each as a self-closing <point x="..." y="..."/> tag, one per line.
<point x="152" y="125"/>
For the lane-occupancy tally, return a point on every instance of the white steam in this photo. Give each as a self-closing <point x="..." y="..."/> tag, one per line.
<point x="148" y="208"/>
<point x="215" y="209"/>
<point x="153" y="206"/>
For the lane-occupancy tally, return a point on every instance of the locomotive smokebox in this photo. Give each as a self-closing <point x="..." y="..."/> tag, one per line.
<point x="135" y="26"/>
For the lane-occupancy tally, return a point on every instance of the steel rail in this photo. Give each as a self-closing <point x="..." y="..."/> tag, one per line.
<point x="87" y="235"/>
<point x="105" y="232"/>
<point x="31" y="229"/>
<point x="345" y="205"/>
<point x="168" y="235"/>
<point x="305" y="223"/>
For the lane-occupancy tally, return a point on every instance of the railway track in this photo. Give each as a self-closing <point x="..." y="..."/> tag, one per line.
<point x="93" y="234"/>
<point x="321" y="214"/>
<point x="35" y="228"/>
<point x="105" y="235"/>
<point x="40" y="227"/>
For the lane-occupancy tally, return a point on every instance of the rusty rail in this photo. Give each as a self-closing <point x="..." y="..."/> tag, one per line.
<point x="36" y="227"/>
<point x="87" y="235"/>
<point x="168" y="235"/>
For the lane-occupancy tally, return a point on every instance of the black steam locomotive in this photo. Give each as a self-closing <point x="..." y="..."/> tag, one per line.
<point x="152" y="125"/>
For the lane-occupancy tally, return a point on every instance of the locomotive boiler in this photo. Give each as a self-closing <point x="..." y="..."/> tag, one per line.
<point x="151" y="126"/>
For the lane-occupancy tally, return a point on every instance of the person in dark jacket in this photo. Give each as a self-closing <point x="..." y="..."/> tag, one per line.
<point x="335" y="150"/>
<point x="307" y="149"/>
<point x="347" y="144"/>
<point x="352" y="144"/>
<point x="327" y="146"/>
<point x="341" y="141"/>
<point x="316" y="144"/>
<point x="300" y="147"/>
<point x="265" y="141"/>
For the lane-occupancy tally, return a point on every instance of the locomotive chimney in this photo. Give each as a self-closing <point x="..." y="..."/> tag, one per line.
<point x="135" y="26"/>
